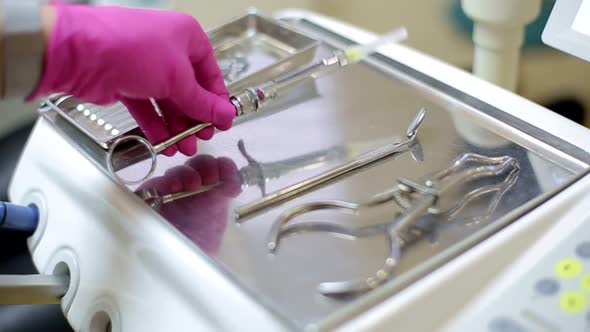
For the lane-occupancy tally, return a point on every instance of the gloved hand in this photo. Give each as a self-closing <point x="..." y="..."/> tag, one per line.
<point x="203" y="217"/>
<point x="108" y="54"/>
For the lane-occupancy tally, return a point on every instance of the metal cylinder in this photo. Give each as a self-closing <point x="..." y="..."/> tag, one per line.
<point x="246" y="102"/>
<point x="498" y="37"/>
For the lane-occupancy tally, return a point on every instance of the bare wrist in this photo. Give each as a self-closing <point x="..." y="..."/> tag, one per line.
<point x="47" y="21"/>
<point x="22" y="47"/>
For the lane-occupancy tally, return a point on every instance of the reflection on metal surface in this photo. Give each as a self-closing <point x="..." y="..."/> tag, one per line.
<point x="258" y="173"/>
<point x="255" y="173"/>
<point x="411" y="144"/>
<point x="418" y="202"/>
<point x="154" y="199"/>
<point x="233" y="66"/>
<point x="194" y="197"/>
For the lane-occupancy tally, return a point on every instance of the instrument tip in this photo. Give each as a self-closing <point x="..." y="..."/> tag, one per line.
<point x="272" y="246"/>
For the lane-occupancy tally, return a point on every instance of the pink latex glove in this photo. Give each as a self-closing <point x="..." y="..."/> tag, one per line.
<point x="108" y="54"/>
<point x="203" y="217"/>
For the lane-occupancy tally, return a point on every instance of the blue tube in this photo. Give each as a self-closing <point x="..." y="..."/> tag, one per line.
<point x="18" y="218"/>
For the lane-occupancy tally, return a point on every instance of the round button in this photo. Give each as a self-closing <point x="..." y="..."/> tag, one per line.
<point x="568" y="268"/>
<point x="585" y="283"/>
<point x="547" y="286"/>
<point x="583" y="250"/>
<point x="505" y="325"/>
<point x="572" y="302"/>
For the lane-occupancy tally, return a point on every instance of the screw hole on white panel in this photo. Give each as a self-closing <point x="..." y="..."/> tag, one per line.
<point x="64" y="263"/>
<point x="101" y="322"/>
<point x="61" y="269"/>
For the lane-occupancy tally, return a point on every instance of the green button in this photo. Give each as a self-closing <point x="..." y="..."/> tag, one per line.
<point x="573" y="302"/>
<point x="568" y="268"/>
<point x="585" y="283"/>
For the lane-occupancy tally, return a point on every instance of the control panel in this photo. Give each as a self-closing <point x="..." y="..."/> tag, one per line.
<point x="546" y="290"/>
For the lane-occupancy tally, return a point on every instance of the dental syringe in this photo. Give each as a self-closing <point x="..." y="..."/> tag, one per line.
<point x="251" y="100"/>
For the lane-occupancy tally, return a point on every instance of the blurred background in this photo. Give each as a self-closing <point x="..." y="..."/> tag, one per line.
<point x="438" y="28"/>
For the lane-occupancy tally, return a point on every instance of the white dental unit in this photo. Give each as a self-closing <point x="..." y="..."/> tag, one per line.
<point x="472" y="218"/>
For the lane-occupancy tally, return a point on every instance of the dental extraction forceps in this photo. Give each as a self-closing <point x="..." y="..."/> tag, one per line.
<point x="410" y="144"/>
<point x="420" y="214"/>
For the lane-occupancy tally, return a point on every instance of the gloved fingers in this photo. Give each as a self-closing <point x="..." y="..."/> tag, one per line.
<point x="199" y="103"/>
<point x="188" y="177"/>
<point x="150" y="122"/>
<point x="205" y="106"/>
<point x="189" y="145"/>
<point x="207" y="167"/>
<point x="177" y="123"/>
<point x="206" y="134"/>
<point x="174" y="115"/>
<point x="207" y="71"/>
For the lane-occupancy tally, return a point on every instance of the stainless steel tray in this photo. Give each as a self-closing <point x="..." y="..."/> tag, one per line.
<point x="251" y="50"/>
<point x="268" y="48"/>
<point x="364" y="107"/>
